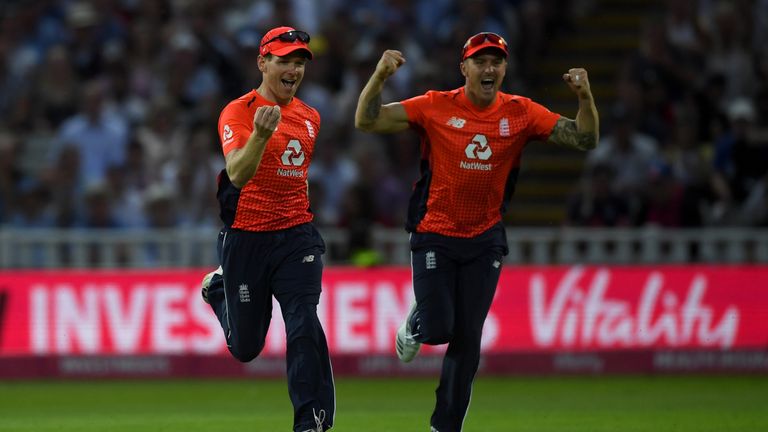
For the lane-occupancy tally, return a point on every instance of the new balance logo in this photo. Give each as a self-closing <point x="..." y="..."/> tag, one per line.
<point x="308" y="259"/>
<point x="456" y="122"/>
<point x="431" y="260"/>
<point x="245" y="295"/>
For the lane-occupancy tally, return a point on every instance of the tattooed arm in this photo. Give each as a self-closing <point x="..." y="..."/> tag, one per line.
<point x="371" y="115"/>
<point x="582" y="133"/>
<point x="566" y="132"/>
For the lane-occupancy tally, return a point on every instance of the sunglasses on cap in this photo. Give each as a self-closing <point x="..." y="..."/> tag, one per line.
<point x="290" y="36"/>
<point x="480" y="39"/>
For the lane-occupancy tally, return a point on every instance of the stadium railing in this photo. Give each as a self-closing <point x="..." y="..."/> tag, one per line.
<point x="195" y="247"/>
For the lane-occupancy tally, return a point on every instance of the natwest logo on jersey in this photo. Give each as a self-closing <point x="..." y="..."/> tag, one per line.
<point x="292" y="156"/>
<point x="477" y="149"/>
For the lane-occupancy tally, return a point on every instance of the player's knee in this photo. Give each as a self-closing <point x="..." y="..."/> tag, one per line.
<point x="302" y="322"/>
<point x="435" y="333"/>
<point x="246" y="352"/>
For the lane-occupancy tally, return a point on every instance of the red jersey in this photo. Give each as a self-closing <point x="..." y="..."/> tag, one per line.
<point x="470" y="158"/>
<point x="276" y="196"/>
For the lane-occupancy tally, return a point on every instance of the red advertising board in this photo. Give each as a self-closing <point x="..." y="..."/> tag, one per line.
<point x="536" y="309"/>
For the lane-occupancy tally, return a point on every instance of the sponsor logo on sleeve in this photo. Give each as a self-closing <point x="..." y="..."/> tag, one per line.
<point x="227" y="135"/>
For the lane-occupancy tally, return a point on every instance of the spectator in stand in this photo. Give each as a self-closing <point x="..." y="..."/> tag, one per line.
<point x="690" y="163"/>
<point x="740" y="160"/>
<point x="162" y="136"/>
<point x="190" y="174"/>
<point x="728" y="50"/>
<point x="32" y="210"/>
<point x="57" y="87"/>
<point x="596" y="204"/>
<point x="334" y="172"/>
<point x="67" y="187"/>
<point x="754" y="211"/>
<point x="10" y="174"/>
<point x="100" y="136"/>
<point x="664" y="198"/>
<point x="629" y="153"/>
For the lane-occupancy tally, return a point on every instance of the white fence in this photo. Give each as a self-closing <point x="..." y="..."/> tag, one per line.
<point x="57" y="248"/>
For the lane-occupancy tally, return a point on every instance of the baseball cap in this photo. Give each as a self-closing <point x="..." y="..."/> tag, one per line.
<point x="282" y="41"/>
<point x="481" y="41"/>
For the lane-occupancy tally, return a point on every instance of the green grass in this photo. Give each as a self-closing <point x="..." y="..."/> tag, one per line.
<point x="540" y="404"/>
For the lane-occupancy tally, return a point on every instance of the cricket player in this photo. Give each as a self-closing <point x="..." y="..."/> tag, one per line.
<point x="268" y="245"/>
<point x="472" y="139"/>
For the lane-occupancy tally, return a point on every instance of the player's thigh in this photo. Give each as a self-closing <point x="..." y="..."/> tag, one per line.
<point x="297" y="279"/>
<point x="246" y="282"/>
<point x="477" y="281"/>
<point x="434" y="287"/>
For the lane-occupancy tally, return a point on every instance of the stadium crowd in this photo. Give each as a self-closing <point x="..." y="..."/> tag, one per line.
<point x="108" y="108"/>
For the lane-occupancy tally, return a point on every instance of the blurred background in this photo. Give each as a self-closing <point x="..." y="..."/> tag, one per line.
<point x="648" y="255"/>
<point x="108" y="114"/>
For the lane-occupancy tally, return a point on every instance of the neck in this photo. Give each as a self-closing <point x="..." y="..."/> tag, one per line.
<point x="477" y="100"/>
<point x="267" y="94"/>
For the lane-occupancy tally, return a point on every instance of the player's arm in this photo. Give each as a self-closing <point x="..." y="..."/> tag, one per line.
<point x="583" y="132"/>
<point x="371" y="115"/>
<point x="243" y="162"/>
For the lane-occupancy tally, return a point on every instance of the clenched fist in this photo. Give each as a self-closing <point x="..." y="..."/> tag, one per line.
<point x="265" y="120"/>
<point x="390" y="61"/>
<point x="578" y="81"/>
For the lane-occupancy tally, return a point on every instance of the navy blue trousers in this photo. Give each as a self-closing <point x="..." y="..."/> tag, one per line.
<point x="286" y="264"/>
<point x="454" y="281"/>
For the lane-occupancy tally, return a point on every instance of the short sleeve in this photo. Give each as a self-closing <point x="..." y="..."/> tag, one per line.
<point x="234" y="129"/>
<point x="540" y="120"/>
<point x="415" y="108"/>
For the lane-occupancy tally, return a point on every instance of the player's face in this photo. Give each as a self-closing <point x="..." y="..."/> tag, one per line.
<point x="282" y="76"/>
<point x="484" y="74"/>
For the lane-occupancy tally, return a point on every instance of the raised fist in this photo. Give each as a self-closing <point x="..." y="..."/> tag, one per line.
<point x="390" y="61"/>
<point x="265" y="120"/>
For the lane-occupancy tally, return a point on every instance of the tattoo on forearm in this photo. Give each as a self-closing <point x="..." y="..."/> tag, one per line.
<point x="565" y="133"/>
<point x="373" y="108"/>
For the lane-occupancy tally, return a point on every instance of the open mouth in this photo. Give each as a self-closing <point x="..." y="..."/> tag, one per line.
<point x="288" y="84"/>
<point x="487" y="83"/>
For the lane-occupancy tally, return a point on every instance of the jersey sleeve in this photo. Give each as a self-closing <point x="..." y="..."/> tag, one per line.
<point x="234" y="128"/>
<point x="540" y="121"/>
<point x="415" y="107"/>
